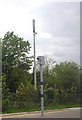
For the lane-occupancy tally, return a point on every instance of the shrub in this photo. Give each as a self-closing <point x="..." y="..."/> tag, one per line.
<point x="26" y="95"/>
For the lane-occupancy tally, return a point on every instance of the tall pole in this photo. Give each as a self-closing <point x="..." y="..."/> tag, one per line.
<point x="42" y="95"/>
<point x="34" y="33"/>
<point x="41" y="62"/>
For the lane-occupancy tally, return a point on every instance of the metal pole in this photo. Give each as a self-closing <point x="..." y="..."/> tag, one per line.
<point x="42" y="95"/>
<point x="34" y="64"/>
<point x="34" y="33"/>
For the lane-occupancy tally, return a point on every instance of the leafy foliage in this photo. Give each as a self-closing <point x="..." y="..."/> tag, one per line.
<point x="14" y="52"/>
<point x="15" y="59"/>
<point x="66" y="75"/>
<point x="26" y="94"/>
<point x="6" y="99"/>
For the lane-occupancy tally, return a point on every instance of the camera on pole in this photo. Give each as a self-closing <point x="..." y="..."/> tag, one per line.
<point x="41" y="62"/>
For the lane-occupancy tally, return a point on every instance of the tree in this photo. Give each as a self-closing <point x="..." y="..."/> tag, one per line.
<point x="6" y="98"/>
<point x="66" y="75"/>
<point x="25" y="95"/>
<point x="15" y="59"/>
<point x="48" y="78"/>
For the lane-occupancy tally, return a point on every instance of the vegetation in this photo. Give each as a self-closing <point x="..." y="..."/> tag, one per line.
<point x="61" y="81"/>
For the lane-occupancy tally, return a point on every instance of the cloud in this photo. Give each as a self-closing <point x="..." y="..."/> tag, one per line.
<point x="57" y="25"/>
<point x="59" y="49"/>
<point x="60" y="19"/>
<point x="62" y="22"/>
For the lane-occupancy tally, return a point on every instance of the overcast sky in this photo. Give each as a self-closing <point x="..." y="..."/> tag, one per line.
<point x="57" y="26"/>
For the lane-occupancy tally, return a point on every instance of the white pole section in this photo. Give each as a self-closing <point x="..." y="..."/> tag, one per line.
<point x="34" y="54"/>
<point x="42" y="94"/>
<point x="41" y="62"/>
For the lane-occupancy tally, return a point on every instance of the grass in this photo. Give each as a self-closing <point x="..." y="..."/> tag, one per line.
<point x="61" y="106"/>
<point x="46" y="107"/>
<point x="15" y="110"/>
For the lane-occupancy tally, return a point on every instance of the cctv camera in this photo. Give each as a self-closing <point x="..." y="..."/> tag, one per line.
<point x="37" y="58"/>
<point x="40" y="60"/>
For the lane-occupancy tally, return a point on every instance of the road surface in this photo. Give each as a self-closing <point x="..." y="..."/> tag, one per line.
<point x="66" y="113"/>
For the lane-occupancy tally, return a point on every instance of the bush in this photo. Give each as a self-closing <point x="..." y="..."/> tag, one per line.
<point x="49" y="95"/>
<point x="26" y="95"/>
<point x="6" y="98"/>
<point x="65" y="95"/>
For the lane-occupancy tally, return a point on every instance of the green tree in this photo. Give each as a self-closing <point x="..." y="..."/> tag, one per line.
<point x="6" y="99"/>
<point x="15" y="59"/>
<point x="66" y="75"/>
<point x="25" y="95"/>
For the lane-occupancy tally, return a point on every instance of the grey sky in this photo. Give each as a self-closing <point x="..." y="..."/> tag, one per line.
<point x="57" y="26"/>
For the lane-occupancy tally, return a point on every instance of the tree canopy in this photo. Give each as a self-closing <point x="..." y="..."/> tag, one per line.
<point x="66" y="74"/>
<point x="15" y="59"/>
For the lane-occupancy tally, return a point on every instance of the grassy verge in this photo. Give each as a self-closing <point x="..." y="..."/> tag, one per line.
<point x="61" y="106"/>
<point x="47" y="107"/>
